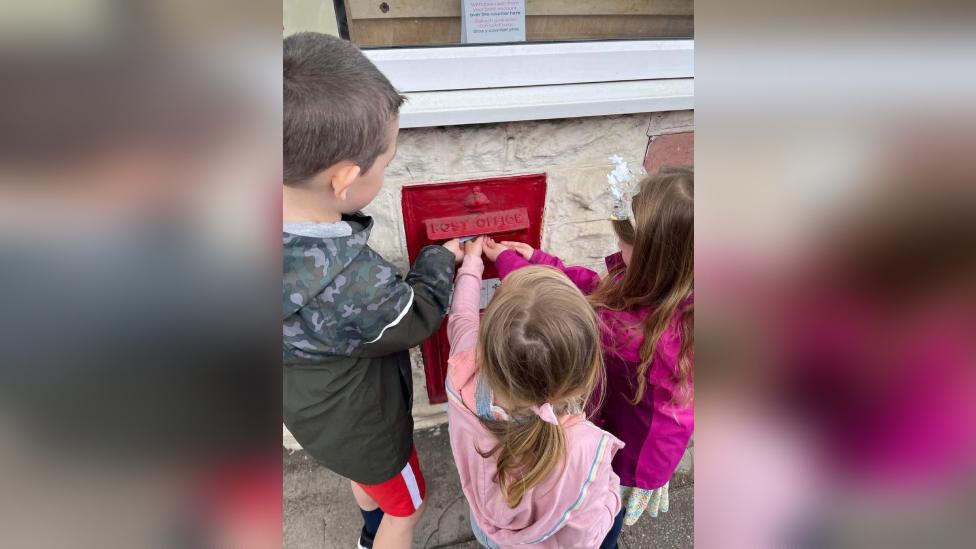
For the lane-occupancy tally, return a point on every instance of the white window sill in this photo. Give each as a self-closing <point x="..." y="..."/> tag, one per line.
<point x="501" y="83"/>
<point x="447" y="108"/>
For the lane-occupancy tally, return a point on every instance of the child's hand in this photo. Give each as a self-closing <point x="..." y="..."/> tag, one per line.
<point x="474" y="247"/>
<point x="454" y="245"/>
<point x="522" y="248"/>
<point x="492" y="249"/>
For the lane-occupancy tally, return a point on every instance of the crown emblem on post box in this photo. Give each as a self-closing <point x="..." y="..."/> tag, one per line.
<point x="476" y="201"/>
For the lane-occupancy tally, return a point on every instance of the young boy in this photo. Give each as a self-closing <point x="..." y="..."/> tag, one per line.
<point x="348" y="317"/>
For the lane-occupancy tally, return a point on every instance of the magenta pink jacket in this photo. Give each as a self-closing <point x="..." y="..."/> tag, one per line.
<point x="576" y="505"/>
<point x="656" y="432"/>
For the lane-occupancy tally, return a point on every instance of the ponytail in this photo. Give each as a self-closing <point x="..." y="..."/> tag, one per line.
<point x="527" y="452"/>
<point x="535" y="360"/>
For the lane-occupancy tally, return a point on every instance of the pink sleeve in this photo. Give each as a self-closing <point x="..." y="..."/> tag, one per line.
<point x="509" y="261"/>
<point x="584" y="279"/>
<point x="589" y="525"/>
<point x="462" y="325"/>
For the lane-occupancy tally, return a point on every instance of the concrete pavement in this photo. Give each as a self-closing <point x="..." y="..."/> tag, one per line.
<point x="319" y="512"/>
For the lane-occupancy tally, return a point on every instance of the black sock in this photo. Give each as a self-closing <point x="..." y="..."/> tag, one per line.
<point x="371" y="523"/>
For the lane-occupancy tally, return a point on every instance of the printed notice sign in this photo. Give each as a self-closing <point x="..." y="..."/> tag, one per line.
<point x="484" y="21"/>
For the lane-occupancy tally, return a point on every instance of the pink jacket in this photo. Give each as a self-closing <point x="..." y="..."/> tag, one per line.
<point x="576" y="506"/>
<point x="655" y="431"/>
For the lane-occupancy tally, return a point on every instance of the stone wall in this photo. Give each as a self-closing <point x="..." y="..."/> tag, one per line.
<point x="574" y="155"/>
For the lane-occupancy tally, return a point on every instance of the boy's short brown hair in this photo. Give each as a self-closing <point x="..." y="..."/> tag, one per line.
<point x="337" y="106"/>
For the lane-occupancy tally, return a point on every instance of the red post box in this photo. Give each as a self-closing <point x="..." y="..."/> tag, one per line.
<point x="506" y="208"/>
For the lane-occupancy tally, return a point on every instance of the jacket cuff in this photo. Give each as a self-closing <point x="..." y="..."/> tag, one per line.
<point x="508" y="261"/>
<point x="434" y="250"/>
<point x="540" y="257"/>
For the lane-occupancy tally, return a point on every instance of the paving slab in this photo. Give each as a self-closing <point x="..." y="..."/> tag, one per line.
<point x="320" y="513"/>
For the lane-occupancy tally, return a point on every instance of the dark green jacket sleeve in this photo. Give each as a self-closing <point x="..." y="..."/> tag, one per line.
<point x="431" y="280"/>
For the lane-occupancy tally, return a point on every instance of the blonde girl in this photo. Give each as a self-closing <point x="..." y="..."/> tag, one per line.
<point x="646" y="307"/>
<point x="535" y="471"/>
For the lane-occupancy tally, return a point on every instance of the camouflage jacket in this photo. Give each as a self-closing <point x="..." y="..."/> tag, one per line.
<point x="348" y="320"/>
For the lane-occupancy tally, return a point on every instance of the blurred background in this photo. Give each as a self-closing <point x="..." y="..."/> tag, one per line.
<point x="836" y="270"/>
<point x="139" y="204"/>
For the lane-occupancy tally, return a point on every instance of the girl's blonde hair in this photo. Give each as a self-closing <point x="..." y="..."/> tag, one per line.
<point x="539" y="342"/>
<point x="661" y="275"/>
